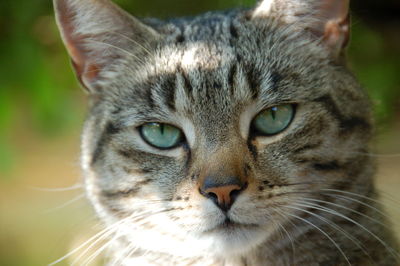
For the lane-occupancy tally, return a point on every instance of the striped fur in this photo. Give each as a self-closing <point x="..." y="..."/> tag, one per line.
<point x="310" y="198"/>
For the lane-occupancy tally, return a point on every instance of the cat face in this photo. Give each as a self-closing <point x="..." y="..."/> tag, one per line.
<point x="207" y="134"/>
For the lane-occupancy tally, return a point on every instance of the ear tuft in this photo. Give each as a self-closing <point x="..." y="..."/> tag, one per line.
<point x="327" y="20"/>
<point x="96" y="33"/>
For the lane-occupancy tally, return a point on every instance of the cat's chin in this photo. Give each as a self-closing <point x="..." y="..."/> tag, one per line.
<point x="223" y="240"/>
<point x="231" y="238"/>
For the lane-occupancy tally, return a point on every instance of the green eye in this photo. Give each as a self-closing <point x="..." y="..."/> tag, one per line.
<point x="160" y="135"/>
<point x="274" y="120"/>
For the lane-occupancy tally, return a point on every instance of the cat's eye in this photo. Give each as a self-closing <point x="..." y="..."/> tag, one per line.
<point x="273" y="120"/>
<point x="162" y="136"/>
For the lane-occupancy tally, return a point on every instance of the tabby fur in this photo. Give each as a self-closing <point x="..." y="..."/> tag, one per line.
<point x="310" y="196"/>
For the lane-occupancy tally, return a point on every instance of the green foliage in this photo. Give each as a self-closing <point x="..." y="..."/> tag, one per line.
<point x="377" y="65"/>
<point x="36" y="83"/>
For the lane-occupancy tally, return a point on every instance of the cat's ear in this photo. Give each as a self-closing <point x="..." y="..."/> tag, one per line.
<point x="327" y="20"/>
<point x="97" y="34"/>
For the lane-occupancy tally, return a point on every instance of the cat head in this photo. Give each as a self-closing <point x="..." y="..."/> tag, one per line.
<point x="209" y="130"/>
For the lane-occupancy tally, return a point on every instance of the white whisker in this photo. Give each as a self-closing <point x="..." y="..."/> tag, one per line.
<point x="99" y="234"/>
<point x="338" y="228"/>
<point x="125" y="254"/>
<point x="89" y="259"/>
<point x="289" y="237"/>
<point x="324" y="233"/>
<point x="358" y="201"/>
<point x="348" y="209"/>
<point x="333" y="212"/>
<point x="94" y="243"/>
<point x="363" y="196"/>
<point x="81" y="196"/>
<point x="61" y="189"/>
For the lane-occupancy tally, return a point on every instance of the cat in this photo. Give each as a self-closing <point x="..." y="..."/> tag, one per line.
<point x="230" y="138"/>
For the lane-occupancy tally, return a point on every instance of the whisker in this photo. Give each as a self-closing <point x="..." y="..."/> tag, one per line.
<point x="338" y="228"/>
<point x="348" y="209"/>
<point x="129" y="250"/>
<point x="351" y="193"/>
<point x="289" y="237"/>
<point x="388" y="197"/>
<point x="361" y="196"/>
<point x="333" y="212"/>
<point x="136" y="219"/>
<point x="371" y="154"/>
<point x="112" y="229"/>
<point x="88" y="260"/>
<point x="347" y="198"/>
<point x="61" y="189"/>
<point x="324" y="233"/>
<point x="94" y="243"/>
<point x="79" y="197"/>
<point x="144" y="218"/>
<point x="99" y="234"/>
<point x="358" y="201"/>
<point x="335" y="226"/>
<point x="355" y="152"/>
<point x="351" y="199"/>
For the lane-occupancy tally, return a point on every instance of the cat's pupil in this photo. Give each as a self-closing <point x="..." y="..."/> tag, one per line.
<point x="273" y="112"/>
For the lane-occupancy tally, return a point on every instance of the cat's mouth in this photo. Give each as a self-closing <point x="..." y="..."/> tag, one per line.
<point x="231" y="237"/>
<point x="228" y="225"/>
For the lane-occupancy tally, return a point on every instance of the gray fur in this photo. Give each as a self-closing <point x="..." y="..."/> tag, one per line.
<point x="210" y="75"/>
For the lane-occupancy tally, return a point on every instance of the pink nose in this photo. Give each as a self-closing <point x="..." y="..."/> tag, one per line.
<point x="223" y="194"/>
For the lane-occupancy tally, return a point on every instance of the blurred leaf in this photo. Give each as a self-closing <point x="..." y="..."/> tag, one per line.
<point x="6" y="117"/>
<point x="7" y="159"/>
<point x="377" y="68"/>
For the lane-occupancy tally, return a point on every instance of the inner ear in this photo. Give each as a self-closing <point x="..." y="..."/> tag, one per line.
<point x="336" y="32"/>
<point x="97" y="34"/>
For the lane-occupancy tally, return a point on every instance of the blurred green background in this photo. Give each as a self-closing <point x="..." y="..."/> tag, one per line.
<point x="42" y="109"/>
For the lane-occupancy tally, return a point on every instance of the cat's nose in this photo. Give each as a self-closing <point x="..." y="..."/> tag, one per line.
<point x="223" y="192"/>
